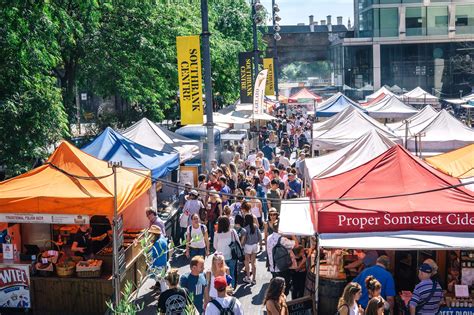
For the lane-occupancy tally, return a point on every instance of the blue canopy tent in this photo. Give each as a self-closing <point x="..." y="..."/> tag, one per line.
<point x="112" y="146"/>
<point x="336" y="104"/>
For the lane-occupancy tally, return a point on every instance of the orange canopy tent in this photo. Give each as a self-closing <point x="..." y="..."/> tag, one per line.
<point x="458" y="163"/>
<point x="399" y="174"/>
<point x="72" y="182"/>
<point x="304" y="93"/>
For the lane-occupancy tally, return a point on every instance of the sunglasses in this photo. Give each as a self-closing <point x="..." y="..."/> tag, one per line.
<point x="273" y="214"/>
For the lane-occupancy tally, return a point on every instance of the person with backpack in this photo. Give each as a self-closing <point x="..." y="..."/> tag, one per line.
<point x="427" y="294"/>
<point x="348" y="301"/>
<point x="197" y="238"/>
<point x="278" y="255"/>
<point x="223" y="239"/>
<point x="175" y="300"/>
<point x="251" y="240"/>
<point x="223" y="304"/>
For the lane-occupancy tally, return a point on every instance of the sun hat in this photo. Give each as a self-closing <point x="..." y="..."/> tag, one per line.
<point x="155" y="229"/>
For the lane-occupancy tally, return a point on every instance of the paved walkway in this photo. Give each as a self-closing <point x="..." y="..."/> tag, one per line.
<point x="251" y="296"/>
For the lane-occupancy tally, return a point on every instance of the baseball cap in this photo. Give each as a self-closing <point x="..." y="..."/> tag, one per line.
<point x="220" y="283"/>
<point x="425" y="268"/>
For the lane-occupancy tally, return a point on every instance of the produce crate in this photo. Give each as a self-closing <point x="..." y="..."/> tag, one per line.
<point x="83" y="270"/>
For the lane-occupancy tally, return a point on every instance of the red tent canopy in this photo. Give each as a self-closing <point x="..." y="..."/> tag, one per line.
<point x="304" y="93"/>
<point x="395" y="172"/>
<point x="374" y="101"/>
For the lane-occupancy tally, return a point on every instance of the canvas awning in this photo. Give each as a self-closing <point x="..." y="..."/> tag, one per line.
<point x="295" y="217"/>
<point x="390" y="107"/>
<point x="415" y="123"/>
<point x="367" y="147"/>
<point x="112" y="146"/>
<point x="72" y="182"/>
<point x="346" y="127"/>
<point x="335" y="104"/>
<point x="358" y="201"/>
<point x="306" y="95"/>
<point x="419" y="96"/>
<point x="151" y="135"/>
<point x="383" y="90"/>
<point x="458" y="163"/>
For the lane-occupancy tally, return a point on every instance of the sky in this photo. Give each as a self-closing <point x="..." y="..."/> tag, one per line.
<point x="298" y="11"/>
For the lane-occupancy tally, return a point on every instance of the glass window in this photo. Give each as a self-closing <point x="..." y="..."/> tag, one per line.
<point x="389" y="1"/>
<point x="388" y="22"/>
<point x="366" y="24"/>
<point x="412" y="1"/>
<point x="464" y="19"/>
<point x="415" y="21"/>
<point x="437" y="20"/>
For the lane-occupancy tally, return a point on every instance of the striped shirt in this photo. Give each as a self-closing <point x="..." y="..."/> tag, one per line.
<point x="421" y="293"/>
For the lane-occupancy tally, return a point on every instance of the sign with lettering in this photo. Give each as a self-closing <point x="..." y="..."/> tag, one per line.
<point x="259" y="92"/>
<point x="190" y="79"/>
<point x="246" y="77"/>
<point x="44" y="218"/>
<point x="270" y="85"/>
<point x="301" y="306"/>
<point x="456" y="311"/>
<point x="14" y="286"/>
<point x="417" y="221"/>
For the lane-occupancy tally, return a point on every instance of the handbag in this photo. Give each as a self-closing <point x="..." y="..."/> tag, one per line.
<point x="236" y="249"/>
<point x="184" y="219"/>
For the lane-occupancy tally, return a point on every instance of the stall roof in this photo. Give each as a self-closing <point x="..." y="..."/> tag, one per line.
<point x="443" y="133"/>
<point x="416" y="122"/>
<point x="149" y="134"/>
<point x="345" y="127"/>
<point x="458" y="163"/>
<point x="391" y="107"/>
<point x="419" y="96"/>
<point x="383" y="90"/>
<point x="367" y="147"/>
<point x="72" y="182"/>
<point x="304" y="93"/>
<point x="295" y="217"/>
<point x="362" y="204"/>
<point x="336" y="104"/>
<point x="112" y="146"/>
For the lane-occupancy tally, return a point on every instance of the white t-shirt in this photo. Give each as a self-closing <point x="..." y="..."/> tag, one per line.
<point x="211" y="309"/>
<point x="197" y="234"/>
<point x="265" y="184"/>
<point x="272" y="240"/>
<point x="284" y="161"/>
<point x="222" y="242"/>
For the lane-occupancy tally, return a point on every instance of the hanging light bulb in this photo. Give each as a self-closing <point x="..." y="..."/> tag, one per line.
<point x="258" y="6"/>
<point x="277" y="18"/>
<point x="276" y="8"/>
<point x="277" y="28"/>
<point x="277" y="36"/>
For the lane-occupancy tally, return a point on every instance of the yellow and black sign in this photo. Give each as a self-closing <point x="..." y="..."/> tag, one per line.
<point x="246" y="77"/>
<point x="270" y="86"/>
<point x="190" y="79"/>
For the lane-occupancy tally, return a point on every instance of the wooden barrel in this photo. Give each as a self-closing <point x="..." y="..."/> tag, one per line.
<point x="330" y="290"/>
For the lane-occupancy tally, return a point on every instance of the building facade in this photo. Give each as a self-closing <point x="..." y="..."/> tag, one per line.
<point x="409" y="43"/>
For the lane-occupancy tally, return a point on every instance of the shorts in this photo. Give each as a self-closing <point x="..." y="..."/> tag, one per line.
<point x="250" y="249"/>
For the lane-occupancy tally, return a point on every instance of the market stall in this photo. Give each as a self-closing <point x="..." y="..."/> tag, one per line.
<point x="45" y="207"/>
<point x="335" y="105"/>
<point x="398" y="204"/>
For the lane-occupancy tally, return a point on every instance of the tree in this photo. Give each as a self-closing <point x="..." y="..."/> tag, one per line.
<point x="32" y="116"/>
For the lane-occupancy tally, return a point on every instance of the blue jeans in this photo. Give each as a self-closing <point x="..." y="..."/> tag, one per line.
<point x="197" y="252"/>
<point x="210" y="230"/>
<point x="232" y="264"/>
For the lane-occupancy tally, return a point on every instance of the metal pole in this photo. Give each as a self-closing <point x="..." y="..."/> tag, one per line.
<point x="255" y="41"/>
<point x="406" y="133"/>
<point x="275" y="56"/>
<point x="316" y="273"/>
<point x="206" y="56"/>
<point x="116" y="272"/>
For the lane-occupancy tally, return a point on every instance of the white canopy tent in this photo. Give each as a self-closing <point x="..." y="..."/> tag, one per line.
<point x="391" y="107"/>
<point x="415" y="122"/>
<point x="295" y="217"/>
<point x="346" y="127"/>
<point x="367" y="147"/>
<point x="444" y="133"/>
<point x="227" y="119"/>
<point x="419" y="96"/>
<point x="382" y="90"/>
<point x="149" y="134"/>
<point x="460" y="101"/>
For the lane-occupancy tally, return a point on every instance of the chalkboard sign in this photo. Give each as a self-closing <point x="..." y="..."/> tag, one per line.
<point x="301" y="306"/>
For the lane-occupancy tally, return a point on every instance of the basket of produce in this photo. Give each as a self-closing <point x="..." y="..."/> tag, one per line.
<point x="51" y="255"/>
<point x="65" y="268"/>
<point x="44" y="269"/>
<point x="89" y="268"/>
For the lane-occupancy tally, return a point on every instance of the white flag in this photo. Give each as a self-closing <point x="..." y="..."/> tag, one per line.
<point x="259" y="92"/>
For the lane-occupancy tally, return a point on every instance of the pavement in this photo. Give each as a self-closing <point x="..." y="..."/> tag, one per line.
<point x="251" y="296"/>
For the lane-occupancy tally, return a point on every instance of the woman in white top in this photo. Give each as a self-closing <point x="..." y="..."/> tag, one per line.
<point x="197" y="238"/>
<point x="222" y="239"/>
<point x="256" y="207"/>
<point x="348" y="302"/>
<point x="218" y="268"/>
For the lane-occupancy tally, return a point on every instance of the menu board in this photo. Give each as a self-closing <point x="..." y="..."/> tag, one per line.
<point x="44" y="218"/>
<point x="15" y="286"/>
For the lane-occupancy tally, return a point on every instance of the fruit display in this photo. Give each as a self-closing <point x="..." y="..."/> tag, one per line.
<point x="89" y="265"/>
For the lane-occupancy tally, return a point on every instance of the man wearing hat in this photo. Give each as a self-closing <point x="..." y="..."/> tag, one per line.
<point x="223" y="301"/>
<point x="427" y="294"/>
<point x="159" y="253"/>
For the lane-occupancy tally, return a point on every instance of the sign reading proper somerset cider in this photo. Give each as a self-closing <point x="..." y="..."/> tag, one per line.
<point x="190" y="79"/>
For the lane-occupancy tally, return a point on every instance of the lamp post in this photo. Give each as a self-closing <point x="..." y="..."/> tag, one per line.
<point x="206" y="57"/>
<point x="276" y="38"/>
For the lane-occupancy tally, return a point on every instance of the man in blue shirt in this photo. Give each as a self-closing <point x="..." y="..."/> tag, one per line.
<point x="294" y="186"/>
<point x="427" y="294"/>
<point x="379" y="271"/>
<point x="159" y="253"/>
<point x="195" y="282"/>
<point x="268" y="151"/>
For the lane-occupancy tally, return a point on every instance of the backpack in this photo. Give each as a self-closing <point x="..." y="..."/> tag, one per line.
<point x="202" y="229"/>
<point x="225" y="311"/>
<point x="236" y="209"/>
<point x="281" y="256"/>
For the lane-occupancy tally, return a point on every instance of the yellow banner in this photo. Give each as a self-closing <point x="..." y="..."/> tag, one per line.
<point x="190" y="79"/>
<point x="270" y="86"/>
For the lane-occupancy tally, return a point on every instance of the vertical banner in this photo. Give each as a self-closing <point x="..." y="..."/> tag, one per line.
<point x="190" y="79"/>
<point x="246" y="80"/>
<point x="259" y="92"/>
<point x="270" y="86"/>
<point x="15" y="286"/>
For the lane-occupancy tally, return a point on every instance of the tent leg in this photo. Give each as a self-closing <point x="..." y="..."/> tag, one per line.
<point x="316" y="274"/>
